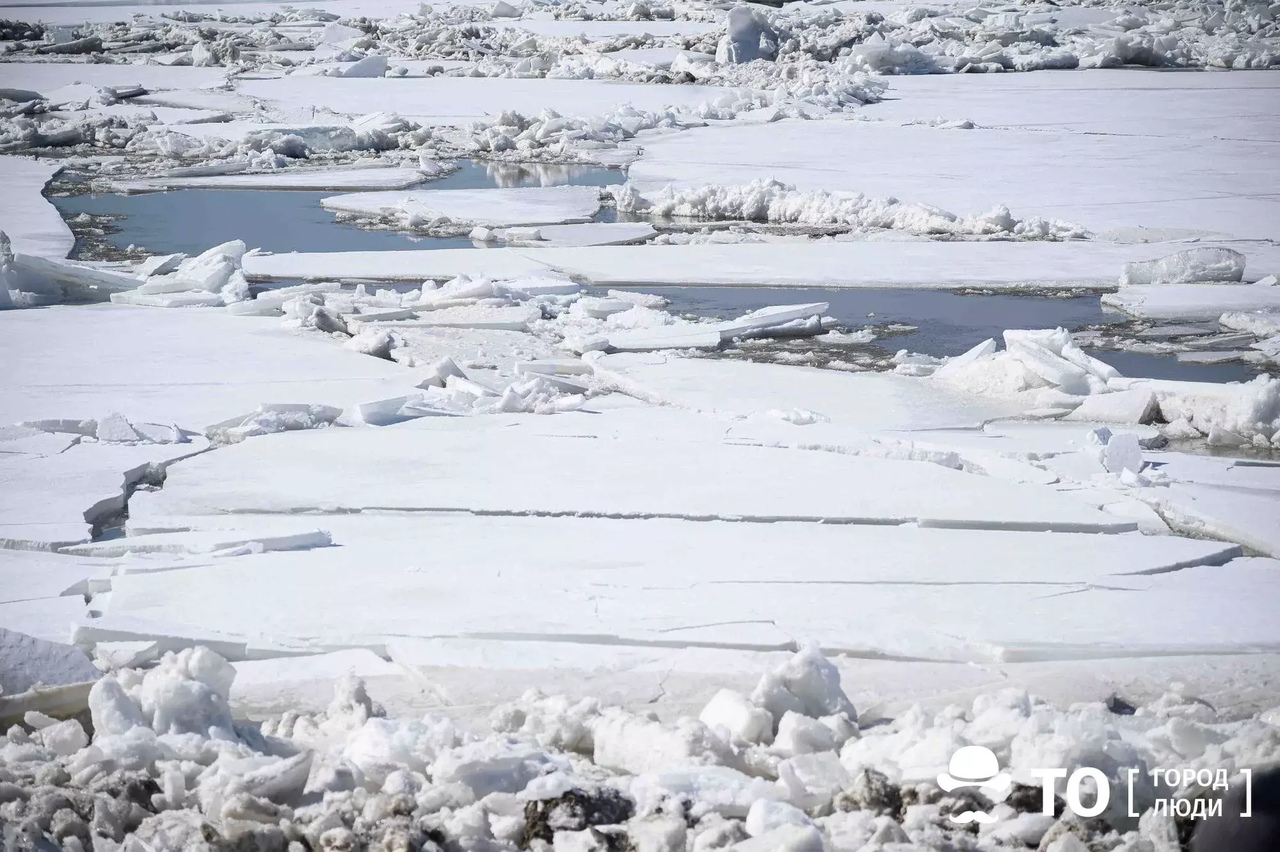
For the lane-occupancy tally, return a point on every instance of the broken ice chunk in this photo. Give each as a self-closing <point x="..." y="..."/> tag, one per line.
<point x="1134" y="406"/>
<point x="808" y="684"/>
<point x="160" y="264"/>
<point x="732" y="713"/>
<point x="1186" y="267"/>
<point x="1118" y="453"/>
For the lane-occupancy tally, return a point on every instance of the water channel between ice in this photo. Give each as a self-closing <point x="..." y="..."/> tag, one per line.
<point x="945" y="323"/>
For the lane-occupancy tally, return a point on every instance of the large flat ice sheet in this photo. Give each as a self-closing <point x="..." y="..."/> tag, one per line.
<point x="675" y="585"/>
<point x="189" y="367"/>
<point x="33" y="224"/>
<point x="1240" y="106"/>
<point x="541" y="205"/>
<point x="519" y="472"/>
<point x="933" y="265"/>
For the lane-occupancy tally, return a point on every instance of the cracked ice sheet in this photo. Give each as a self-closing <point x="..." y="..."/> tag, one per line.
<point x="542" y="205"/>
<point x="193" y="367"/>
<point x="1246" y="515"/>
<point x="33" y="224"/>
<point x="1100" y="182"/>
<point x="927" y="265"/>
<point x="30" y="576"/>
<point x="49" y="501"/>
<point x="526" y="471"/>
<point x="667" y="586"/>
<point x="456" y="101"/>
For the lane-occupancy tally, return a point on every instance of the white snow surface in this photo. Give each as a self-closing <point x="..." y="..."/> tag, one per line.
<point x="33" y="224"/>
<point x="784" y="575"/>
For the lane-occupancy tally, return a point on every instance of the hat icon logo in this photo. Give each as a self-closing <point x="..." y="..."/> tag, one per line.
<point x="975" y="766"/>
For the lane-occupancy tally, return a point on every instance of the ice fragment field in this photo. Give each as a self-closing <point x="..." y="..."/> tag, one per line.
<point x="650" y="426"/>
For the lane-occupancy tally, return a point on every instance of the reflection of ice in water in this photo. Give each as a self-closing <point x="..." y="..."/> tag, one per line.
<point x="511" y="175"/>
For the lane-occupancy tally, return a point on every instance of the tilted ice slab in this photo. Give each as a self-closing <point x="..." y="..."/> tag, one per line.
<point x="1245" y="515"/>
<point x="48" y="76"/>
<point x="775" y="320"/>
<point x="311" y="179"/>
<point x="932" y="265"/>
<point x="462" y="470"/>
<point x="495" y="207"/>
<point x="672" y="584"/>
<point x="1193" y="301"/>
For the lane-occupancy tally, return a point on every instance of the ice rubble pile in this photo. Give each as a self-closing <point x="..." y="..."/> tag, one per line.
<point x="1048" y="368"/>
<point x="28" y="281"/>
<point x="803" y="94"/>
<point x="767" y="200"/>
<point x="114" y="428"/>
<point x="785" y="768"/>
<point x="210" y="279"/>
<point x="1037" y="36"/>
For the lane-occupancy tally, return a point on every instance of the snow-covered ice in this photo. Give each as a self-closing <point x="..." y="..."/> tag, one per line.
<point x="254" y="537"/>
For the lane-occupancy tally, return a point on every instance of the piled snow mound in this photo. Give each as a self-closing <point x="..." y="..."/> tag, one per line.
<point x="169" y="767"/>
<point x="767" y="200"/>
<point x="210" y="279"/>
<point x="1186" y="267"/>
